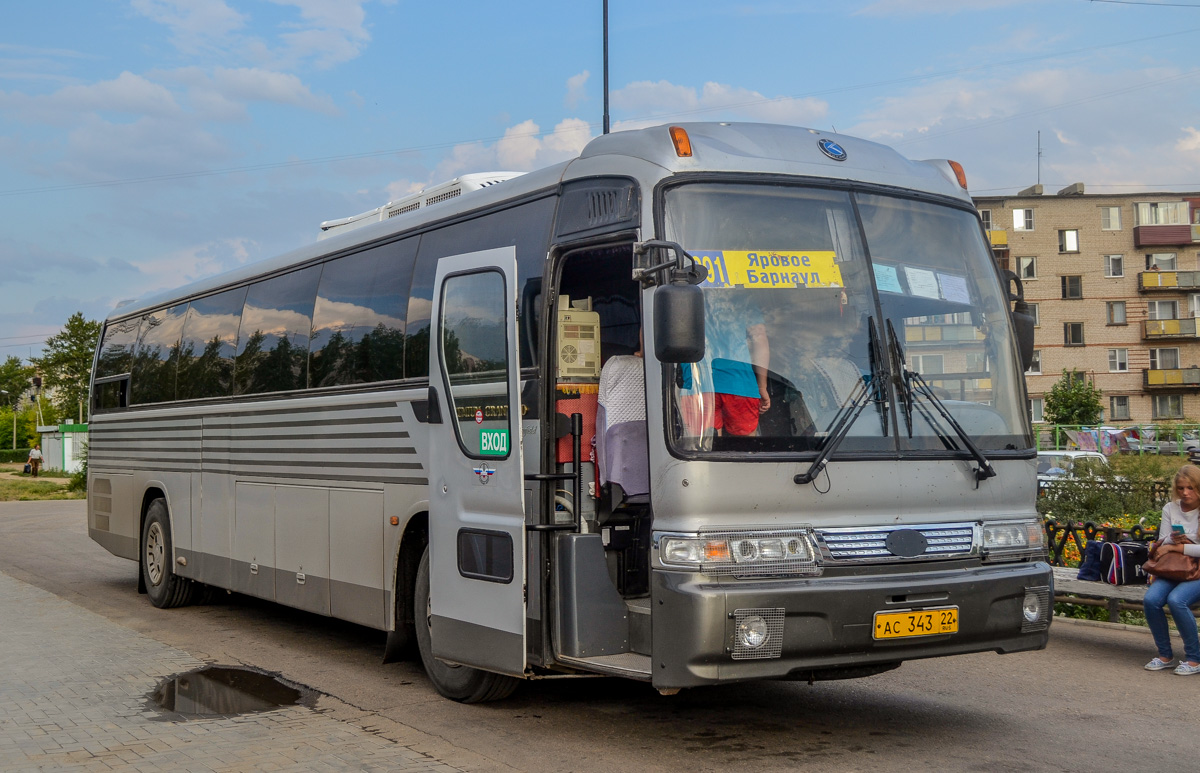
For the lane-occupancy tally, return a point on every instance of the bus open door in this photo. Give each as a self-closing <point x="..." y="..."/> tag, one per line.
<point x="476" y="556"/>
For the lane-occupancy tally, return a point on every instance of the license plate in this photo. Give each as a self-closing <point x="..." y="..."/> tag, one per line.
<point x="924" y="622"/>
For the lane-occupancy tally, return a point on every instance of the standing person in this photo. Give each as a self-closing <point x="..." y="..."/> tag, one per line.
<point x="35" y="459"/>
<point x="1182" y="512"/>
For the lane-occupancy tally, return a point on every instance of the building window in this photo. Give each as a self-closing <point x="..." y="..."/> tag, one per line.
<point x="1110" y="218"/>
<point x="1118" y="408"/>
<point x="1162" y="213"/>
<point x="1114" y="265"/>
<point x="1164" y="359"/>
<point x="1168" y="406"/>
<point x="1035" y="367"/>
<point x="1118" y="360"/>
<point x="1073" y="334"/>
<point x="1162" y="310"/>
<point x="1033" y="312"/>
<point x="985" y="215"/>
<point x="1072" y="287"/>
<point x="1194" y="305"/>
<point x="928" y="363"/>
<point x="1116" y="312"/>
<point x="1068" y="240"/>
<point x="1022" y="219"/>
<point x="1160" y="261"/>
<point x="1035" y="409"/>
<point x="1027" y="268"/>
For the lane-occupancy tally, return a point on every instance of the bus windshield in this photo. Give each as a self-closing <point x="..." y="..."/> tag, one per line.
<point x="803" y="284"/>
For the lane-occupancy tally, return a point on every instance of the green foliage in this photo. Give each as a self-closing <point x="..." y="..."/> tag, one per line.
<point x="15" y="379"/>
<point x="79" y="477"/>
<point x="66" y="365"/>
<point x="1073" y="400"/>
<point x="1119" y="495"/>
<point x="14" y="456"/>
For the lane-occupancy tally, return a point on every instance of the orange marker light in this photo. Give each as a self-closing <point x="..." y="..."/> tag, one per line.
<point x="959" y="173"/>
<point x="716" y="550"/>
<point x="395" y="520"/>
<point x="683" y="143"/>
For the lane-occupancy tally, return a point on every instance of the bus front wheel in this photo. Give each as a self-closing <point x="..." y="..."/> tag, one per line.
<point x="458" y="683"/>
<point x="165" y="588"/>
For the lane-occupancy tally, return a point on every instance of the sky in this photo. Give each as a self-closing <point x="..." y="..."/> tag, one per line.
<point x="148" y="143"/>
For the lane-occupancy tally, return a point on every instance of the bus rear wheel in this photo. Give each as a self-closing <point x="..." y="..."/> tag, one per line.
<point x="165" y="588"/>
<point x="458" y="683"/>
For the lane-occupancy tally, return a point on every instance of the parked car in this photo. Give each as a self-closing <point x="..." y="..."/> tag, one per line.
<point x="1057" y="465"/>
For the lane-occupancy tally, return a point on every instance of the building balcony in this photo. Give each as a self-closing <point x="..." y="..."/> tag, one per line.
<point x="999" y="239"/>
<point x="1171" y="378"/>
<point x="1172" y="281"/>
<point x="935" y="334"/>
<point x="1169" y="328"/>
<point x="1161" y="235"/>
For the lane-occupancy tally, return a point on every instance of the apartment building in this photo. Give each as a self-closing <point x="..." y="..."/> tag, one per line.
<point x="1115" y="279"/>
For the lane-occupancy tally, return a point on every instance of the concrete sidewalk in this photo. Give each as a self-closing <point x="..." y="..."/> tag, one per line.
<point x="73" y="696"/>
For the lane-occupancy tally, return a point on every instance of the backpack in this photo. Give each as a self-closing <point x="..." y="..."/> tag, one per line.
<point x="1089" y="567"/>
<point x="1121" y="563"/>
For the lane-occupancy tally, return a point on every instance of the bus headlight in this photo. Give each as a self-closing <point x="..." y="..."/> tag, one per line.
<point x="740" y="553"/>
<point x="1011" y="540"/>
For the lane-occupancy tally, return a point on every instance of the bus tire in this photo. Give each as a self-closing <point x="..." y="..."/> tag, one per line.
<point x="458" y="683"/>
<point x="165" y="588"/>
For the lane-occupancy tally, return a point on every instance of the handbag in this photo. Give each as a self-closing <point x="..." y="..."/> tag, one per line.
<point x="1121" y="563"/>
<point x="1173" y="566"/>
<point x="28" y="469"/>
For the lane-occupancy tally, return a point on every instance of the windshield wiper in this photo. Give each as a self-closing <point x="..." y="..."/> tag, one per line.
<point x="868" y="390"/>
<point x="911" y="383"/>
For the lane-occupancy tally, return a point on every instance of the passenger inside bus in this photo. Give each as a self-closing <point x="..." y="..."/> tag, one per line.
<point x="621" y="444"/>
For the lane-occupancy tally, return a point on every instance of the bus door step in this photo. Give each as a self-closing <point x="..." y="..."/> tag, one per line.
<point x="627" y="664"/>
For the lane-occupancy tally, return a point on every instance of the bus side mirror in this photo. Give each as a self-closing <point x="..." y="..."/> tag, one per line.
<point x="1023" y="323"/>
<point x="679" y="323"/>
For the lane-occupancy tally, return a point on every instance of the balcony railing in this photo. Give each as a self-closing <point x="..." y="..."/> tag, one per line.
<point x="998" y="238"/>
<point x="1169" y="328"/>
<point x="917" y="334"/>
<point x="1151" y="281"/>
<point x="1161" y="235"/>
<point x="1171" y="377"/>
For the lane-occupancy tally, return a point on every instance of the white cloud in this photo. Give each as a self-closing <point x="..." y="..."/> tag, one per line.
<point x="1190" y="142"/>
<point x="194" y="24"/>
<point x="332" y="31"/>
<point x="522" y="148"/>
<point x="576" y="89"/>
<point x="223" y="93"/>
<point x="127" y="93"/>
<point x="663" y="101"/>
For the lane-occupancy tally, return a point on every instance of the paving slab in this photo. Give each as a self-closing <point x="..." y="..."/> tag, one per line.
<point x="74" y="690"/>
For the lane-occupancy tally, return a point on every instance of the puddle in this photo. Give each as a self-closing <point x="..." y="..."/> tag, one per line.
<point x="224" y="691"/>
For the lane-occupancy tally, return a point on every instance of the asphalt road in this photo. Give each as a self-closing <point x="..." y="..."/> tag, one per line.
<point x="1083" y="704"/>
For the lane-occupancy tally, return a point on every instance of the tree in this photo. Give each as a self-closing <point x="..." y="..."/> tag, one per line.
<point x="1073" y="400"/>
<point x="15" y="379"/>
<point x="66" y="365"/>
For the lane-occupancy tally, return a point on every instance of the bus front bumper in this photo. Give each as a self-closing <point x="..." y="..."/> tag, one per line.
<point x="828" y="623"/>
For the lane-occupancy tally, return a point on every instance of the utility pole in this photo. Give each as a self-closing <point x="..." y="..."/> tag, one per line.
<point x="1039" y="175"/>
<point x="606" y="66"/>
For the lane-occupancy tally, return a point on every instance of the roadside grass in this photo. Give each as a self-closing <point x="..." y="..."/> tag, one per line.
<point x="16" y="486"/>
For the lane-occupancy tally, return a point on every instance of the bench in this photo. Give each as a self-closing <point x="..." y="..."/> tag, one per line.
<point x="1069" y="590"/>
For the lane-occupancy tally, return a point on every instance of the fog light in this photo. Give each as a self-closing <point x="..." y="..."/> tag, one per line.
<point x="1032" y="608"/>
<point x="752" y="632"/>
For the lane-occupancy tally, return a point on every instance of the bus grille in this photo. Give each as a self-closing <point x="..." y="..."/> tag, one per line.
<point x="870" y="544"/>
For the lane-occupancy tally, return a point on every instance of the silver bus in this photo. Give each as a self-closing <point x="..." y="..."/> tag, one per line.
<point x="709" y="403"/>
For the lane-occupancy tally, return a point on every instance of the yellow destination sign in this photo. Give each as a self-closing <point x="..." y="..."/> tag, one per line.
<point x="770" y="269"/>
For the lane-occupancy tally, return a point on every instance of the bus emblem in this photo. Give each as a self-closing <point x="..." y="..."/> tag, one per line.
<point x="832" y="149"/>
<point x="485" y="473"/>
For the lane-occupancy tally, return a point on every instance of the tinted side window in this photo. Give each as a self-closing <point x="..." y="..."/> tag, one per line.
<point x="526" y="226"/>
<point x="272" y="351"/>
<point x="208" y="345"/>
<point x="358" y="322"/>
<point x="116" y="353"/>
<point x="157" y="357"/>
